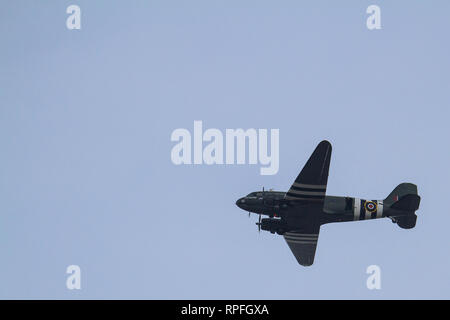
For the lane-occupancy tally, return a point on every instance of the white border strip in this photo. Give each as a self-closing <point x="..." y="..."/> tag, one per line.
<point x="379" y="209"/>
<point x="357" y="209"/>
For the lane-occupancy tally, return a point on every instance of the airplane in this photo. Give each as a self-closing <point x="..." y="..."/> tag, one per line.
<point x="298" y="214"/>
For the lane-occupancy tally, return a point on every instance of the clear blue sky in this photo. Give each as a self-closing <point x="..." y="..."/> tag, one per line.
<point x="85" y="124"/>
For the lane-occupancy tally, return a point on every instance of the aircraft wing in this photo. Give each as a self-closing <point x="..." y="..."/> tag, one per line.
<point x="311" y="183"/>
<point x="303" y="244"/>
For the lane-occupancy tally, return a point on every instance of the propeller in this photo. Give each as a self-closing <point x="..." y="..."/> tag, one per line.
<point x="259" y="219"/>
<point x="259" y="223"/>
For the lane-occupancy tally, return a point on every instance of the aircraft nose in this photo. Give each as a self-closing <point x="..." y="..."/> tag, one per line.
<point x="241" y="203"/>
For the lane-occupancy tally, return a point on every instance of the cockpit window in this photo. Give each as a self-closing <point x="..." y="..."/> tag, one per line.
<point x="254" y="195"/>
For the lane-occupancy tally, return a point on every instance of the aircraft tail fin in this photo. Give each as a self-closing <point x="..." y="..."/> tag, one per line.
<point x="401" y="190"/>
<point x="404" y="198"/>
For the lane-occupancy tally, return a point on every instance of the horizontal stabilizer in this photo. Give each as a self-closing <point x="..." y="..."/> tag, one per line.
<point x="409" y="202"/>
<point x="407" y="222"/>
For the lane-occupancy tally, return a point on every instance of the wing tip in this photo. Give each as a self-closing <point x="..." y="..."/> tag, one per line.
<point x="306" y="263"/>
<point x="325" y="143"/>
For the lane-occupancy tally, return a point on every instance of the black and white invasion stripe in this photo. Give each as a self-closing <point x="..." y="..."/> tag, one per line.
<point x="301" y="191"/>
<point x="301" y="238"/>
<point x="360" y="212"/>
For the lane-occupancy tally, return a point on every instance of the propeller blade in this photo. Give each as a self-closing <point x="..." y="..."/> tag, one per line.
<point x="259" y="224"/>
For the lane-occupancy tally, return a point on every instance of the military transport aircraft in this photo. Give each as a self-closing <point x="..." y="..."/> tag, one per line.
<point x="299" y="213"/>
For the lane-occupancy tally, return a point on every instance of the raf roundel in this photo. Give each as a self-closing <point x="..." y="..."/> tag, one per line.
<point x="370" y="206"/>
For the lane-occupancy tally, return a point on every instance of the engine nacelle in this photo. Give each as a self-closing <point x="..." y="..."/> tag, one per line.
<point x="274" y="225"/>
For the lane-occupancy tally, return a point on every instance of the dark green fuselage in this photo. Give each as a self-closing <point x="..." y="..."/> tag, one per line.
<point x="287" y="215"/>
